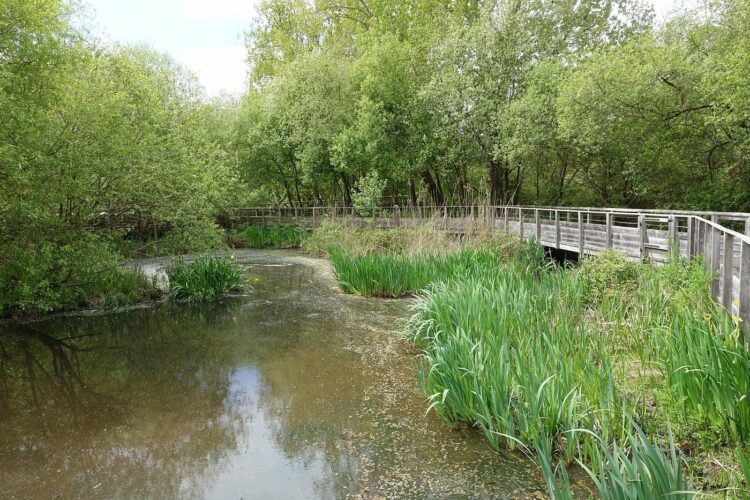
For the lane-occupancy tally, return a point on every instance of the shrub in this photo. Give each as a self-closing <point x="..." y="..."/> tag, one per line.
<point x="274" y="236"/>
<point x="331" y="235"/>
<point x="366" y="199"/>
<point x="194" y="236"/>
<point x="75" y="270"/>
<point x="606" y="274"/>
<point x="206" y="278"/>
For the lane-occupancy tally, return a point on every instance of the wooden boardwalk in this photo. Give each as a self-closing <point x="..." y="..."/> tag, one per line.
<point x="722" y="238"/>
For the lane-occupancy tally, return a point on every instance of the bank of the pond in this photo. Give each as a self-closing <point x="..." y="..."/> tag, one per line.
<point x="630" y="370"/>
<point x="296" y="390"/>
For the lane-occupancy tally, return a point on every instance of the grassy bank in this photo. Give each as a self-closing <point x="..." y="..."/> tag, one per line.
<point x="629" y="370"/>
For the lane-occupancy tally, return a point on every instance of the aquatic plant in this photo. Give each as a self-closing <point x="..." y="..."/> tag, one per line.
<point x="206" y="278"/>
<point x="394" y="275"/>
<point x="503" y="352"/>
<point x="639" y="470"/>
<point x="281" y="236"/>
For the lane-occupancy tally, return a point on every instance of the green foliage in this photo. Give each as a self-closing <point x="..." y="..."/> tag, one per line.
<point x="483" y="366"/>
<point x="393" y="275"/>
<point x="65" y="274"/>
<point x="557" y="360"/>
<point x="609" y="273"/>
<point x="206" y="278"/>
<point x="273" y="236"/>
<point x="708" y="367"/>
<point x="97" y="144"/>
<point x="194" y="236"/>
<point x="640" y="470"/>
<point x="366" y="200"/>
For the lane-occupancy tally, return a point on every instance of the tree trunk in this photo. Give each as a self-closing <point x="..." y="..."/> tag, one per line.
<point x="412" y="193"/>
<point x="495" y="189"/>
<point x="434" y="190"/>
<point x="347" y="191"/>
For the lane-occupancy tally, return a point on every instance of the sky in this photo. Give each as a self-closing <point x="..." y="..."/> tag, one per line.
<point x="206" y="36"/>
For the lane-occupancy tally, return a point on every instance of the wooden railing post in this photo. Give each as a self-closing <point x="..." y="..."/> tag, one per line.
<point x="643" y="230"/>
<point x="727" y="271"/>
<point x="557" y="228"/>
<point x="690" y="237"/>
<point x="520" y="221"/>
<point x="538" y="225"/>
<point x="505" y="215"/>
<point x="715" y="262"/>
<point x="673" y="243"/>
<point x="744" y="290"/>
<point x="608" y="236"/>
<point x="581" y="235"/>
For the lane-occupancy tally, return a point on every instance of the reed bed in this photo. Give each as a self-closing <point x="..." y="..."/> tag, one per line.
<point x="394" y="275"/>
<point x="584" y="365"/>
<point x="206" y="278"/>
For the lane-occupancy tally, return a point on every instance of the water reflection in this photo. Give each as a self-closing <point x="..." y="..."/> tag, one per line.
<point x="296" y="391"/>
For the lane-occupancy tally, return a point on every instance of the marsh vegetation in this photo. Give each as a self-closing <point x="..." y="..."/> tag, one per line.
<point x="628" y="370"/>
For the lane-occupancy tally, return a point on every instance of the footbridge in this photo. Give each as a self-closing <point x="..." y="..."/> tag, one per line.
<point x="722" y="238"/>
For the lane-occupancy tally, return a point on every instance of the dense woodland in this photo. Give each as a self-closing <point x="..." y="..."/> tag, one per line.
<point x="106" y="149"/>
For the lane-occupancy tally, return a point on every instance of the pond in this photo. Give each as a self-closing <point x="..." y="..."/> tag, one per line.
<point x="294" y="391"/>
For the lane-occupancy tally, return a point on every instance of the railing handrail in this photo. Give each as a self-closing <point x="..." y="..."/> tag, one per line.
<point x="740" y="236"/>
<point x="619" y="211"/>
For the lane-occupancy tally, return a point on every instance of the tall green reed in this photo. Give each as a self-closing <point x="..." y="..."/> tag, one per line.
<point x="206" y="278"/>
<point x="273" y="236"/>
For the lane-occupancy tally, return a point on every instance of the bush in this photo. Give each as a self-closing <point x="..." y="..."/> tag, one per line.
<point x="329" y="235"/>
<point x="75" y="270"/>
<point x="366" y="199"/>
<point x="206" y="278"/>
<point x="195" y="236"/>
<point x="606" y="274"/>
<point x="273" y="236"/>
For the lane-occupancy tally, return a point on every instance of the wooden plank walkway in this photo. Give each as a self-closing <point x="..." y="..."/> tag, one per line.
<point x="722" y="238"/>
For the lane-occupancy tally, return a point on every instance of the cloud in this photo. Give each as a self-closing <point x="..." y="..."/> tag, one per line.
<point x="220" y="69"/>
<point x="216" y="10"/>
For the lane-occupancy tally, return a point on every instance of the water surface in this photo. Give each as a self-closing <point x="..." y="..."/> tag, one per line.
<point x="295" y="391"/>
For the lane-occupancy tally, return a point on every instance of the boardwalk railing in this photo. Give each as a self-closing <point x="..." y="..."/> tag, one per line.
<point x="722" y="238"/>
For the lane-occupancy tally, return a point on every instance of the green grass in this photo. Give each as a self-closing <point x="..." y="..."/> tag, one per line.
<point x="273" y="236"/>
<point x="206" y="278"/>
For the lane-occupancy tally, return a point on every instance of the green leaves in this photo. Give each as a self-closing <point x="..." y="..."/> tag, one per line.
<point x="206" y="278"/>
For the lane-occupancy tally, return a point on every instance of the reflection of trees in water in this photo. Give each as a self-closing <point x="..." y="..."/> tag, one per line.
<point x="309" y="394"/>
<point x="128" y="403"/>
